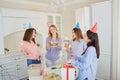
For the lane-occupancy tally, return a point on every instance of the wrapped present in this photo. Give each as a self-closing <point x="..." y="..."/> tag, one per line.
<point x="52" y="76"/>
<point x="34" y="70"/>
<point x="68" y="72"/>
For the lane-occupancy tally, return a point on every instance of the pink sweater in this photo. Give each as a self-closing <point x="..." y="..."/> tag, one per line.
<point x="30" y="50"/>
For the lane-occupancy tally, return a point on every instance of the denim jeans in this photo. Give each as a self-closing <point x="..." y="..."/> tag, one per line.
<point x="86" y="79"/>
<point x="31" y="61"/>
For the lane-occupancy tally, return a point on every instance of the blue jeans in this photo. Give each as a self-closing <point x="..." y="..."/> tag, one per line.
<point x="31" y="61"/>
<point x="86" y="79"/>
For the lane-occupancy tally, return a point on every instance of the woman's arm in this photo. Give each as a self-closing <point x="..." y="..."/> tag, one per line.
<point x="59" y="46"/>
<point x="86" y="59"/>
<point x="47" y="44"/>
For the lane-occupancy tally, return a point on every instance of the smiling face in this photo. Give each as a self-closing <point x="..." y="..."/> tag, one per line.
<point x="73" y="34"/>
<point x="77" y="34"/>
<point x="52" y="30"/>
<point x="33" y="34"/>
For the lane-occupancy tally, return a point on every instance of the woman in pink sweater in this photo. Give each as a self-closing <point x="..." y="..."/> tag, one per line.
<point x="29" y="47"/>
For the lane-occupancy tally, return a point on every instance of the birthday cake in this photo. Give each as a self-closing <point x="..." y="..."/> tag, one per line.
<point x="53" y="44"/>
<point x="52" y="76"/>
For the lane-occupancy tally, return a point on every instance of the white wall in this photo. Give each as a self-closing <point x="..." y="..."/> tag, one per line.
<point x="68" y="19"/>
<point x="83" y="16"/>
<point x="80" y="17"/>
<point x="1" y="36"/>
<point x="118" y="57"/>
<point x="116" y="41"/>
<point x="13" y="20"/>
<point x="101" y="13"/>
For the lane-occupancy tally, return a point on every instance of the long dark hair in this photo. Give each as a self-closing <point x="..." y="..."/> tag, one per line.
<point x="78" y="33"/>
<point x="28" y="34"/>
<point x="94" y="42"/>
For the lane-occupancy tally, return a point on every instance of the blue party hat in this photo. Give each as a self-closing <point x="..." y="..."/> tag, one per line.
<point x="77" y="25"/>
<point x="29" y="26"/>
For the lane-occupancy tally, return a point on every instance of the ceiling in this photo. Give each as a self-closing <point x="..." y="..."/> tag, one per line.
<point x="43" y="4"/>
<point x="57" y="2"/>
<point x="46" y="2"/>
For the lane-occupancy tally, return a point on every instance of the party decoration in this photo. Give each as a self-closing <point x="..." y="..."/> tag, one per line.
<point x="77" y="25"/>
<point x="48" y="24"/>
<point x="94" y="28"/>
<point x="68" y="72"/>
<point x="29" y="25"/>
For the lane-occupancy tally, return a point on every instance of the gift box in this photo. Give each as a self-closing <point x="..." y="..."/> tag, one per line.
<point x="68" y="72"/>
<point x="34" y="70"/>
<point x="52" y="76"/>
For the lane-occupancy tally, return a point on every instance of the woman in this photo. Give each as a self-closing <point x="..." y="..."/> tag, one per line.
<point x="77" y="45"/>
<point x="29" y="47"/>
<point x="53" y="46"/>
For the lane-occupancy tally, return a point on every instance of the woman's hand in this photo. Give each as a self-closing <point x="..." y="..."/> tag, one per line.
<point x="68" y="61"/>
<point x="58" y="46"/>
<point x="66" y="45"/>
<point x="39" y="58"/>
<point x="72" y="55"/>
<point x="48" y="47"/>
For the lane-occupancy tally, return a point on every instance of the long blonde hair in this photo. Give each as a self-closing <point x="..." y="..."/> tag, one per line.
<point x="50" y="34"/>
